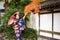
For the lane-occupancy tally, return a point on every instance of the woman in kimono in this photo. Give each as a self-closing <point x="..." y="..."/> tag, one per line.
<point x="19" y="24"/>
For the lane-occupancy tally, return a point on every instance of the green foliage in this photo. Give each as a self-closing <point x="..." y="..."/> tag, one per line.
<point x="14" y="6"/>
<point x="9" y="31"/>
<point x="8" y="14"/>
<point x="1" y="0"/>
<point x="29" y="33"/>
<point x="19" y="4"/>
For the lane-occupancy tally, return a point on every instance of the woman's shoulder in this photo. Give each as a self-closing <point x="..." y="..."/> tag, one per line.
<point x="21" y="20"/>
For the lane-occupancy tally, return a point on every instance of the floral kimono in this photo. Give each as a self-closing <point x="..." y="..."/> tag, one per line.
<point x="18" y="24"/>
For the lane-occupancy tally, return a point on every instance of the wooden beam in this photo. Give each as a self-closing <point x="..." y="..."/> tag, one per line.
<point x="57" y="33"/>
<point x="50" y="12"/>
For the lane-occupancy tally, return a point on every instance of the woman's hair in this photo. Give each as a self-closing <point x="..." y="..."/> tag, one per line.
<point x="15" y="15"/>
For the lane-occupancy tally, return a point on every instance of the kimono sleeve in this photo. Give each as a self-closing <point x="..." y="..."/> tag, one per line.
<point x="22" y="23"/>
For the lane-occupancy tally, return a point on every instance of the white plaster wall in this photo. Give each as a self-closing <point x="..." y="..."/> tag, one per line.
<point x="1" y="5"/>
<point x="34" y="21"/>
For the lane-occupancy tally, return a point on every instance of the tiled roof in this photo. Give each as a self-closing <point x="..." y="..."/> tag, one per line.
<point x="50" y="4"/>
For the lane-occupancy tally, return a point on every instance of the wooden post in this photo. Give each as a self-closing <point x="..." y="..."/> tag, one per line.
<point x="6" y="5"/>
<point x="52" y="23"/>
<point x="39" y="25"/>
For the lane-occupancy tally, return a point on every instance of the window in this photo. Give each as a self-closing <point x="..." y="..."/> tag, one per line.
<point x="46" y="24"/>
<point x="46" y="21"/>
<point x="57" y="25"/>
